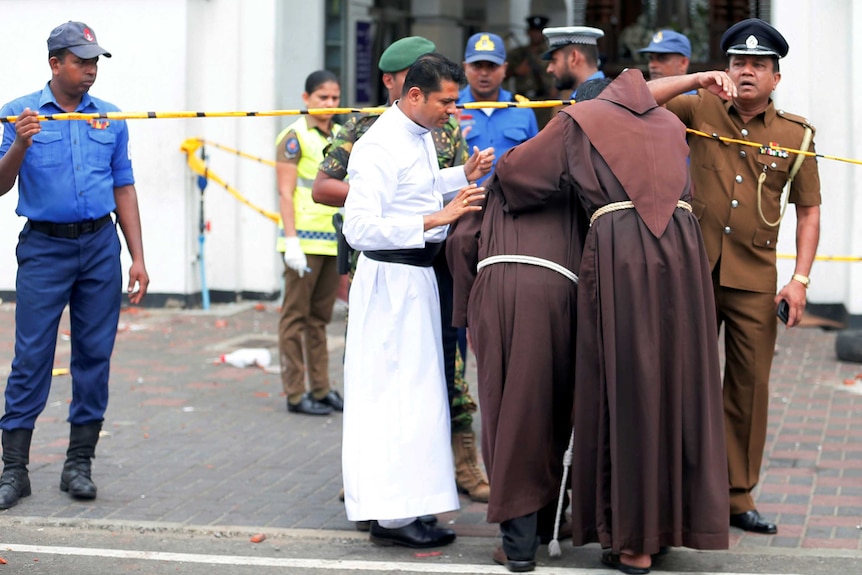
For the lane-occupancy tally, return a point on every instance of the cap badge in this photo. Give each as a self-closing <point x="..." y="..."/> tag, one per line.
<point x="484" y="44"/>
<point x="751" y="42"/>
<point x="88" y="36"/>
<point x="658" y="37"/>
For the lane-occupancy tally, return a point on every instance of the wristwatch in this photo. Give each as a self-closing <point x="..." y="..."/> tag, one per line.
<point x="804" y="280"/>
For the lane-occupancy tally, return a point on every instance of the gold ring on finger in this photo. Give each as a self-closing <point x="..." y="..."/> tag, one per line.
<point x="466" y="202"/>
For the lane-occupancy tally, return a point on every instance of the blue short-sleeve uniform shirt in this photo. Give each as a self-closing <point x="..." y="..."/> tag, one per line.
<point x="503" y="129"/>
<point x="70" y="171"/>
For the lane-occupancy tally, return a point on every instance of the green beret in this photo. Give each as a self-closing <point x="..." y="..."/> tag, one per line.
<point x="401" y="54"/>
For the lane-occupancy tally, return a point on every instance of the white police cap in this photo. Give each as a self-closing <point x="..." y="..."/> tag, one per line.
<point x="565" y="35"/>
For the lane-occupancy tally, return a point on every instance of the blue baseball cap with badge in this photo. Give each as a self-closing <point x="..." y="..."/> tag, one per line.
<point x="485" y="47"/>
<point x="78" y="38"/>
<point x="668" y="42"/>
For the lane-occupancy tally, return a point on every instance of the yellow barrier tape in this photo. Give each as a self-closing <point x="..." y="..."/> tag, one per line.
<point x="191" y="145"/>
<point x="782" y="148"/>
<point x="197" y="165"/>
<point x="824" y="258"/>
<point x="373" y="110"/>
<point x="238" y="153"/>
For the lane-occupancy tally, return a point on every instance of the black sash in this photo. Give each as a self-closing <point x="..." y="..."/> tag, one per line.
<point x="420" y="257"/>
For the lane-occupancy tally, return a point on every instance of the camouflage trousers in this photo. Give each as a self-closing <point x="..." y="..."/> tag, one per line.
<point x="462" y="406"/>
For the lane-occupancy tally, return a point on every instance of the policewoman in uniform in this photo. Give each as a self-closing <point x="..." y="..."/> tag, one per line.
<point x="738" y="200"/>
<point x="309" y="246"/>
<point x="71" y="175"/>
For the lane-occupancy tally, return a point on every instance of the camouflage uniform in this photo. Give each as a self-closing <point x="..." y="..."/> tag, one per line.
<point x="452" y="151"/>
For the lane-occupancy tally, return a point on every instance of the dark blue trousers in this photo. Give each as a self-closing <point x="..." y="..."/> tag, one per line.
<point x="85" y="274"/>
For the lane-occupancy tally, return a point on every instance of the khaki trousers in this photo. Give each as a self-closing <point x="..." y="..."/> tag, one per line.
<point x="750" y="330"/>
<point x="305" y="311"/>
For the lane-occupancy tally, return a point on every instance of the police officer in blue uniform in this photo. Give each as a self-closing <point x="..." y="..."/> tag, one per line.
<point x="499" y="128"/>
<point x="71" y="175"/>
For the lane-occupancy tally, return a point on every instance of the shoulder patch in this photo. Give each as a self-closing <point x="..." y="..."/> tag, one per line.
<point x="794" y="118"/>
<point x="291" y="149"/>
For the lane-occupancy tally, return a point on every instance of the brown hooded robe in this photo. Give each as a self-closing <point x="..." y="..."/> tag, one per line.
<point x="649" y="466"/>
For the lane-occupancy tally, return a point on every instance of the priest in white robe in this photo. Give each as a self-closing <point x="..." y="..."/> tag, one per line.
<point x="396" y="454"/>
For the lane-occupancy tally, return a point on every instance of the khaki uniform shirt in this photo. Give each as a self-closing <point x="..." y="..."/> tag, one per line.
<point x="725" y="178"/>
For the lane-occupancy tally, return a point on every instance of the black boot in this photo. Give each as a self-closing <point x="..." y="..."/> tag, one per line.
<point x="76" y="471"/>
<point x="15" y="483"/>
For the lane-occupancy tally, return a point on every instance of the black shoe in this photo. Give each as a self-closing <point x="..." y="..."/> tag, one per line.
<point x="416" y="535"/>
<point x="429" y="520"/>
<point x="333" y="399"/>
<point x="512" y="565"/>
<point x="76" y="479"/>
<point x="309" y="406"/>
<point x="752" y="521"/>
<point x="14" y="484"/>
<point x="612" y="559"/>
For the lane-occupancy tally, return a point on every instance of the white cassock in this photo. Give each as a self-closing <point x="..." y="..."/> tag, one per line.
<point x="396" y="449"/>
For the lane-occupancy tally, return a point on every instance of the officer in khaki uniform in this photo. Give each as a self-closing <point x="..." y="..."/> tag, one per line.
<point x="738" y="200"/>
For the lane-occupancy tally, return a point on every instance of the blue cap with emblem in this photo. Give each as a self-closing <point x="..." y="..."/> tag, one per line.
<point x="78" y="38"/>
<point x="668" y="42"/>
<point x="485" y="47"/>
<point x="754" y="37"/>
<point x="565" y="35"/>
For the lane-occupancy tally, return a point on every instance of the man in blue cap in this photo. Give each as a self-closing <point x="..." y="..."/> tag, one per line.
<point x="498" y="128"/>
<point x="669" y="53"/>
<point x="738" y="202"/>
<point x="71" y="176"/>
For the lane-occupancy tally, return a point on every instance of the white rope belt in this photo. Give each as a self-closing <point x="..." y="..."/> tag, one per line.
<point x="628" y="205"/>
<point x="530" y="260"/>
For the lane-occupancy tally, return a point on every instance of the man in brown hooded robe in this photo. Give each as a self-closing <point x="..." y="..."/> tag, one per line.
<point x="648" y="468"/>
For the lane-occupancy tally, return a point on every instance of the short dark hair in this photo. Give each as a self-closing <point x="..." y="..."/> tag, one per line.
<point x="590" y="52"/>
<point x="58" y="53"/>
<point x="591" y="89"/>
<point x="429" y="70"/>
<point x="316" y="79"/>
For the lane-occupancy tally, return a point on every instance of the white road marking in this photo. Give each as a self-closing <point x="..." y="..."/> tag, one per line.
<point x="320" y="564"/>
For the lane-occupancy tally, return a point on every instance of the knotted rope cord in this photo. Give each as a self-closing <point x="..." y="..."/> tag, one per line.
<point x="627" y="205"/>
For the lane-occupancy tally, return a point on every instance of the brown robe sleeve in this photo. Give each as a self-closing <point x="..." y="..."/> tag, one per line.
<point x="531" y="172"/>
<point x="525" y="177"/>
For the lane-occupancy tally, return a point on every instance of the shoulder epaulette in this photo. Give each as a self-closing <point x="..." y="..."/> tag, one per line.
<point x="795" y="118"/>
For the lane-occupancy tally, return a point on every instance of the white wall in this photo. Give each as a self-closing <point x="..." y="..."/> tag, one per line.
<point x="170" y="55"/>
<point x="819" y="81"/>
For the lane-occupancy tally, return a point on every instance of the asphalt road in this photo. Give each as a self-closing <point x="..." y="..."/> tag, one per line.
<point x="39" y="546"/>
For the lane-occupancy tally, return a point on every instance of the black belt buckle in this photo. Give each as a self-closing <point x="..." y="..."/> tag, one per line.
<point x="70" y="231"/>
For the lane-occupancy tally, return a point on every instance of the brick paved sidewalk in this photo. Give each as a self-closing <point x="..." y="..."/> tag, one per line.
<point x="190" y="442"/>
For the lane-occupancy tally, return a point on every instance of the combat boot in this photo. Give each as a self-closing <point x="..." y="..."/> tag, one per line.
<point x="15" y="481"/>
<point x="76" y="477"/>
<point x="469" y="476"/>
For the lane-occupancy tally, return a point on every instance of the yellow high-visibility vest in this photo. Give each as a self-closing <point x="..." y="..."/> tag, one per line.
<point x="313" y="221"/>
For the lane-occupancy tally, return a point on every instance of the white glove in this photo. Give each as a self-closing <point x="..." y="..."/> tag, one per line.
<point x="294" y="257"/>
